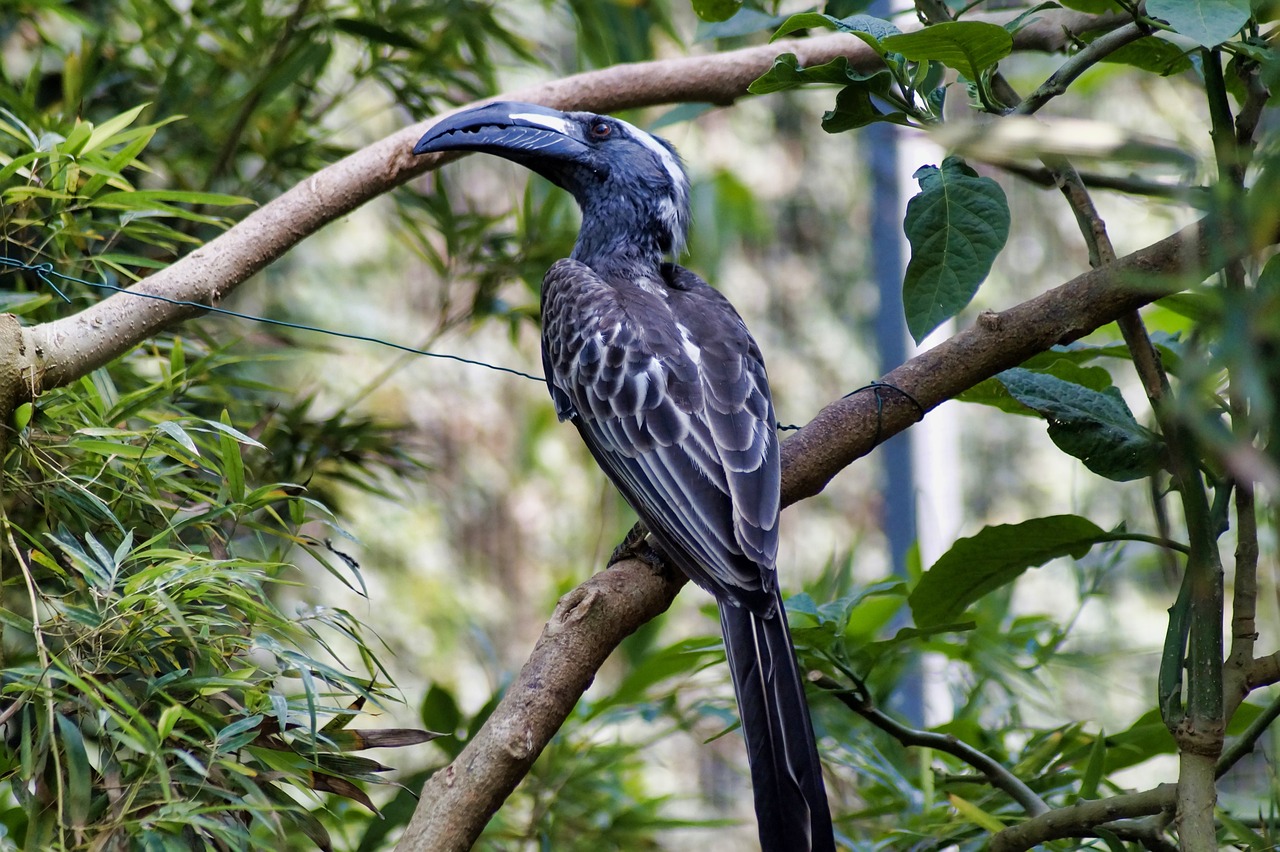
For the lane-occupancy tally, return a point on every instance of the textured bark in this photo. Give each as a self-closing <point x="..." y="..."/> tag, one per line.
<point x="588" y="623"/>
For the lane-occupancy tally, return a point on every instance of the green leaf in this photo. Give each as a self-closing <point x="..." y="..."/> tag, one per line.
<point x="78" y="772"/>
<point x="806" y="21"/>
<point x="1093" y="769"/>
<point x="440" y="711"/>
<point x="788" y="73"/>
<point x="1208" y="22"/>
<point x="956" y="225"/>
<point x="147" y="198"/>
<point x="238" y="734"/>
<point x="876" y="28"/>
<point x="1152" y="54"/>
<point x="104" y="132"/>
<point x="995" y="557"/>
<point x="976" y="815"/>
<point x="232" y="462"/>
<point x="177" y="433"/>
<point x="970" y="47"/>
<point x="1094" y="426"/>
<point x="854" y="108"/>
<point x="1148" y="736"/>
<point x="716" y="10"/>
<point x="376" y="34"/>
<point x="993" y="392"/>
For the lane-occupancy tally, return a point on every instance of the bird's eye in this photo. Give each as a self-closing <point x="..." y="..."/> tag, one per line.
<point x="601" y="130"/>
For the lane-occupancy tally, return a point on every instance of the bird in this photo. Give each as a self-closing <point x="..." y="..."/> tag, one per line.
<point x="668" y="390"/>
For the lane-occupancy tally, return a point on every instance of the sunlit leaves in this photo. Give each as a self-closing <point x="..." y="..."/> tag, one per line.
<point x="956" y="225"/>
<point x="158" y="551"/>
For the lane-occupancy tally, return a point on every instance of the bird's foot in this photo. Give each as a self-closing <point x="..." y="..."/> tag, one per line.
<point x="638" y="545"/>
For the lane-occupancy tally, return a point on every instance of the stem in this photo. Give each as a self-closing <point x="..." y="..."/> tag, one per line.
<point x="1244" y="743"/>
<point x="995" y="773"/>
<point x="1191" y="195"/>
<point x="1100" y="48"/>
<point x="42" y="653"/>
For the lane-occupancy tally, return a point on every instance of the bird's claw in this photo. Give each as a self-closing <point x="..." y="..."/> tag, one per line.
<point x="639" y="545"/>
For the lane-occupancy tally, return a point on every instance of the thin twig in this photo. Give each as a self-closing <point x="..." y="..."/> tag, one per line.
<point x="1097" y="50"/>
<point x="1244" y="743"/>
<point x="1192" y="195"/>
<point x="996" y="774"/>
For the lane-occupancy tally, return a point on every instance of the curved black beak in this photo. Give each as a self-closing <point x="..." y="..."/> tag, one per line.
<point x="516" y="131"/>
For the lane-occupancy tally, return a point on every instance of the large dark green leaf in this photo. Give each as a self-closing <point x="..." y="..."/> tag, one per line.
<point x="993" y="558"/>
<point x="1094" y="426"/>
<point x="993" y="392"/>
<point x="855" y="108"/>
<point x="970" y="47"/>
<point x="956" y="225"/>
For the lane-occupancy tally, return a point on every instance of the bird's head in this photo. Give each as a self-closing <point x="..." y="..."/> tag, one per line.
<point x="630" y="184"/>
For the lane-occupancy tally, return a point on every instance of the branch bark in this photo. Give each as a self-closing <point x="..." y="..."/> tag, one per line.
<point x="1083" y="818"/>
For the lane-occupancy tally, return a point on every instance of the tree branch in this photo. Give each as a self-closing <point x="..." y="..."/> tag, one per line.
<point x="1082" y="818"/>
<point x="1097" y="50"/>
<point x="993" y="772"/>
<point x="61" y="351"/>
<point x="1244" y="743"/>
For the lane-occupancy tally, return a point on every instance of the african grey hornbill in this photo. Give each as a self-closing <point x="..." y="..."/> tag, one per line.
<point x="668" y="389"/>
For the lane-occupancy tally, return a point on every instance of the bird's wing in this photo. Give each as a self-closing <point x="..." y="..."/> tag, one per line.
<point x="670" y="394"/>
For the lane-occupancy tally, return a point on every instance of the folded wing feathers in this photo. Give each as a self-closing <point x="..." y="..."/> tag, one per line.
<point x="676" y="427"/>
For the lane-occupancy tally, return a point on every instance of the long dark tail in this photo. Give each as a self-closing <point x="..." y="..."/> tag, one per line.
<point x="791" y="800"/>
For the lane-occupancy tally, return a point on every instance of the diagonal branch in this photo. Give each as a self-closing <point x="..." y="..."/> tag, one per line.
<point x="458" y="801"/>
<point x="1083" y="818"/>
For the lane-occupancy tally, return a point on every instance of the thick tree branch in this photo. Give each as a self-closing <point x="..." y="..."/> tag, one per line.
<point x="59" y="352"/>
<point x="587" y="625"/>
